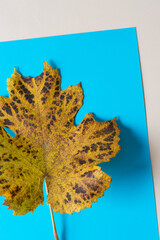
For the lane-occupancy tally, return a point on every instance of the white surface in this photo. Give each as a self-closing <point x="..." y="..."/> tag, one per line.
<point x="20" y="19"/>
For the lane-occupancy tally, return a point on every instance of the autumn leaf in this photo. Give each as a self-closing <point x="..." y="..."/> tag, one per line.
<point x="48" y="146"/>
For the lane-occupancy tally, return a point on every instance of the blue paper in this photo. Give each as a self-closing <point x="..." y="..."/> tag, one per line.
<point x="107" y="64"/>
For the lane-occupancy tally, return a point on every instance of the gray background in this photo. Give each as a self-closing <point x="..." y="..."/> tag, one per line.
<point x="21" y="19"/>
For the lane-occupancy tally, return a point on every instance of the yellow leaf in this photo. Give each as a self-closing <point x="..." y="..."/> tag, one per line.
<point x="48" y="146"/>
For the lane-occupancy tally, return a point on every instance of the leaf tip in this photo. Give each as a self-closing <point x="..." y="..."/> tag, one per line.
<point x="45" y="63"/>
<point x="79" y="84"/>
<point x="15" y="70"/>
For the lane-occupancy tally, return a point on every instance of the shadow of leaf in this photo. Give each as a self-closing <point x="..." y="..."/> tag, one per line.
<point x="129" y="166"/>
<point x="64" y="222"/>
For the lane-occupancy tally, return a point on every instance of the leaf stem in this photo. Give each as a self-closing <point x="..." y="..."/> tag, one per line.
<point x="52" y="217"/>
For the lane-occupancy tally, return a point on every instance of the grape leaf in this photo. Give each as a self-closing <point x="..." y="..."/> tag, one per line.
<point x="48" y="146"/>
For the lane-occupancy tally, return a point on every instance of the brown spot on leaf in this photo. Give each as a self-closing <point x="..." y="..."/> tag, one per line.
<point x="68" y="196"/>
<point x="1" y="114"/>
<point x="8" y="122"/>
<point x="81" y="162"/>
